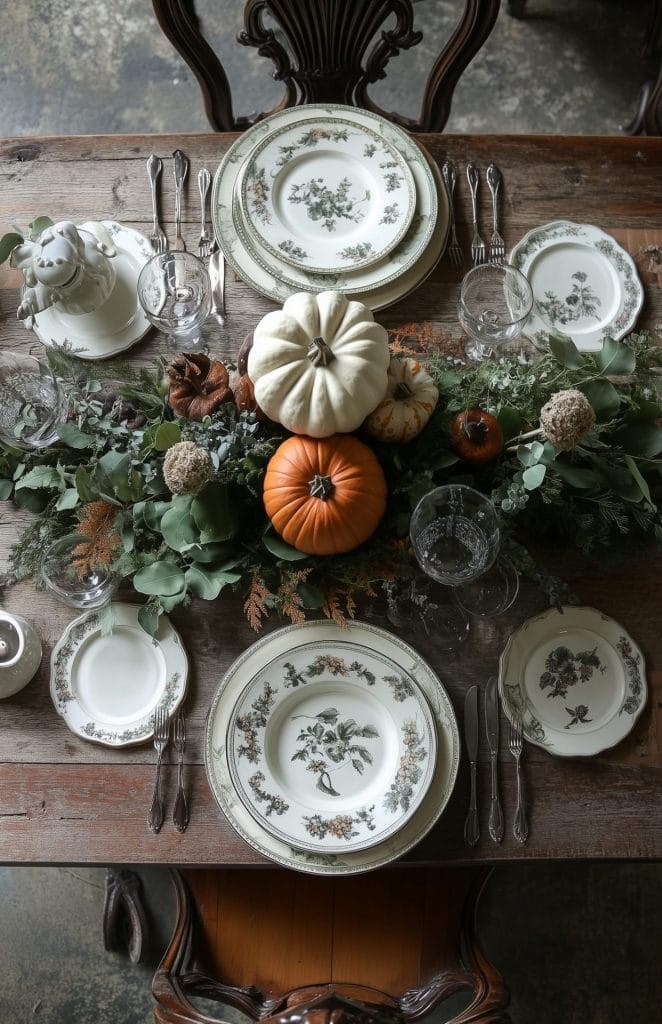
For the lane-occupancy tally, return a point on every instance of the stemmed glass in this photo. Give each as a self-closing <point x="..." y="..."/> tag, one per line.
<point x="494" y="305"/>
<point x="32" y="402"/>
<point x="175" y="292"/>
<point x="73" y="571"/>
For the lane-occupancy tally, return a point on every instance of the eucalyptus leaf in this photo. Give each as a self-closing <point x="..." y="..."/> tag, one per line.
<point x="149" y="616"/>
<point x="640" y="438"/>
<point x="153" y="512"/>
<point x="6" y="488"/>
<point x="441" y="460"/>
<point x="168" y="603"/>
<point x="510" y="419"/>
<point x="7" y="243"/>
<point x="41" y="476"/>
<point x="215" y="514"/>
<point x="68" y="499"/>
<point x="73" y="436"/>
<point x="178" y="526"/>
<point x="603" y="397"/>
<point x="566" y="352"/>
<point x="85" y="485"/>
<point x="311" y="597"/>
<point x="106" y="617"/>
<point x="530" y="454"/>
<point x="640" y="480"/>
<point x="281" y="550"/>
<point x="534" y="476"/>
<point x="208" y="583"/>
<point x="208" y="553"/>
<point x="161" y="578"/>
<point x="166" y="435"/>
<point x="38" y="225"/>
<point x="580" y="477"/>
<point x="34" y="501"/>
<point x="615" y="358"/>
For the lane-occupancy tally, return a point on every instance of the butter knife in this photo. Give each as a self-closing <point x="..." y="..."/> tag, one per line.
<point x="217" y="278"/>
<point x="471" y="826"/>
<point x="495" y="823"/>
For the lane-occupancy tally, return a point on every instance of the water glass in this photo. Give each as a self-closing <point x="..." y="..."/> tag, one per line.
<point x="175" y="292"/>
<point x="492" y="593"/>
<point x="454" y="532"/>
<point x="495" y="303"/>
<point x="73" y="572"/>
<point x="32" y="402"/>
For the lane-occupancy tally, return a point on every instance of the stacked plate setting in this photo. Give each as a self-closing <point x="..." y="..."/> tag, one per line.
<point x="330" y="197"/>
<point x="332" y="751"/>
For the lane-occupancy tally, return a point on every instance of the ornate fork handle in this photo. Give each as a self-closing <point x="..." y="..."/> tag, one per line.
<point x="154" y="168"/>
<point x="180" y="814"/>
<point x="473" y="178"/>
<point x="520" y="824"/>
<point x="156" y="814"/>
<point x="496" y="814"/>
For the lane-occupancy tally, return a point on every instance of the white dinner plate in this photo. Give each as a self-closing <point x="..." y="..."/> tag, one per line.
<point x="331" y="747"/>
<point x="286" y="641"/>
<point x="576" y="678"/>
<point x="584" y="284"/>
<point x="329" y="195"/>
<point x="107" y="687"/>
<point x="121" y="321"/>
<point x="378" y="286"/>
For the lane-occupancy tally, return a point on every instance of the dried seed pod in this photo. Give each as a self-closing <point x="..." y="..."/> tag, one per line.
<point x="198" y="385"/>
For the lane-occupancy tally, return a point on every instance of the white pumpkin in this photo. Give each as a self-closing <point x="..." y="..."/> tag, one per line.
<point x="319" y="365"/>
<point x="411" y="397"/>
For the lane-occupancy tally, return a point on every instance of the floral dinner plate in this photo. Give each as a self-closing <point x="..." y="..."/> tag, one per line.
<point x="285" y="643"/>
<point x="576" y="678"/>
<point x="584" y="284"/>
<point x="107" y="686"/>
<point x="332" y="747"/>
<point x="328" y="195"/>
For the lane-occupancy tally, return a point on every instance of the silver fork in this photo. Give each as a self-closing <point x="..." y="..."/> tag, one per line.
<point x="157" y="238"/>
<point x="520" y="824"/>
<point x="180" y="814"/>
<point x="477" y="243"/>
<point x="449" y="175"/>
<point x="205" y="242"/>
<point x="497" y="244"/>
<point x="161" y="734"/>
<point x="180" y="169"/>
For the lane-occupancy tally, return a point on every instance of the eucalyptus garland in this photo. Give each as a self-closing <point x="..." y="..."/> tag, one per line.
<point x="105" y="477"/>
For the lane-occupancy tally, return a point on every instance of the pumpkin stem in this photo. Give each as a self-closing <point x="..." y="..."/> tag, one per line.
<point x="319" y="352"/>
<point x="402" y="392"/>
<point x="321" y="487"/>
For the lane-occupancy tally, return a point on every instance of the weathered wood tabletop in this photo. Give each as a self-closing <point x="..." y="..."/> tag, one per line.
<point x="64" y="800"/>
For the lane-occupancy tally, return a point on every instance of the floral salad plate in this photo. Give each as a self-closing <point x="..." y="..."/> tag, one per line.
<point x="584" y="284"/>
<point x="575" y="678"/>
<point x="329" y="195"/>
<point x="121" y="321"/>
<point x="332" y="747"/>
<point x="300" y="645"/>
<point x="379" y="285"/>
<point x="107" y="686"/>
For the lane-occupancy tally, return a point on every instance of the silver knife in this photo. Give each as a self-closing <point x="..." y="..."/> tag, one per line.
<point x="180" y="170"/>
<point x="217" y="278"/>
<point x="492" y="726"/>
<point x="471" y="826"/>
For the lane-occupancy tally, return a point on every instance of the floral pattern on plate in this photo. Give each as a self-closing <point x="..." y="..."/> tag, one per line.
<point x="326" y="748"/>
<point x="364" y="639"/>
<point x="584" y="284"/>
<point x="106" y="687"/>
<point x="576" y="680"/>
<point x="305" y="189"/>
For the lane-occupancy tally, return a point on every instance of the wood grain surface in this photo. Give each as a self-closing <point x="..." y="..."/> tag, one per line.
<point x="64" y="800"/>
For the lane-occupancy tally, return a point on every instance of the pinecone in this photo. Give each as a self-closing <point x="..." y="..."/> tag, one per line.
<point x="198" y="385"/>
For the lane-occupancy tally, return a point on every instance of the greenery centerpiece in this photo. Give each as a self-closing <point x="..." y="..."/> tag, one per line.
<point x="174" y="505"/>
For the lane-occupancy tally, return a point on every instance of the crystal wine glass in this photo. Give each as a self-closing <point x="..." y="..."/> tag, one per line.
<point x="32" y="402"/>
<point x="73" y="571"/>
<point x="495" y="303"/>
<point x="175" y="292"/>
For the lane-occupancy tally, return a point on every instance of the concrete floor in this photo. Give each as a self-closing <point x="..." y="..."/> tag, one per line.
<point x="582" y="943"/>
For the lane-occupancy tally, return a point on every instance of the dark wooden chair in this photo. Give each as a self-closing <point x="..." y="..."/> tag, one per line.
<point x="288" y="948"/>
<point x="327" y="51"/>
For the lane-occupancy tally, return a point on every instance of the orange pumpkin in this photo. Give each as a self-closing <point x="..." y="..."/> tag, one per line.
<point x="324" y="495"/>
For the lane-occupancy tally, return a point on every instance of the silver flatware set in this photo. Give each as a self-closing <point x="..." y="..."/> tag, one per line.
<point x="162" y="730"/>
<point x="481" y="252"/>
<point x="207" y="248"/>
<point x="471" y="737"/>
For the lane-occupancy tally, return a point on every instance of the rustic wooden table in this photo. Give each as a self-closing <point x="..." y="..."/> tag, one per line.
<point x="63" y="800"/>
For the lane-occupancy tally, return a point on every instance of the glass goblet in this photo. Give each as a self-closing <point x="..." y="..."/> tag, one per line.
<point x="454" y="532"/>
<point x="73" y="572"/>
<point x="495" y="303"/>
<point x="32" y="402"/>
<point x="492" y="593"/>
<point x="175" y="292"/>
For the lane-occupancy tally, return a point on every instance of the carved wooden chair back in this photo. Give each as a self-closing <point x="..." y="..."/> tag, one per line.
<point x="327" y="51"/>
<point x="290" y="948"/>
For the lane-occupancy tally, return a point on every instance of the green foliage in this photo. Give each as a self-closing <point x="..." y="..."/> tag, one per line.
<point x="175" y="547"/>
